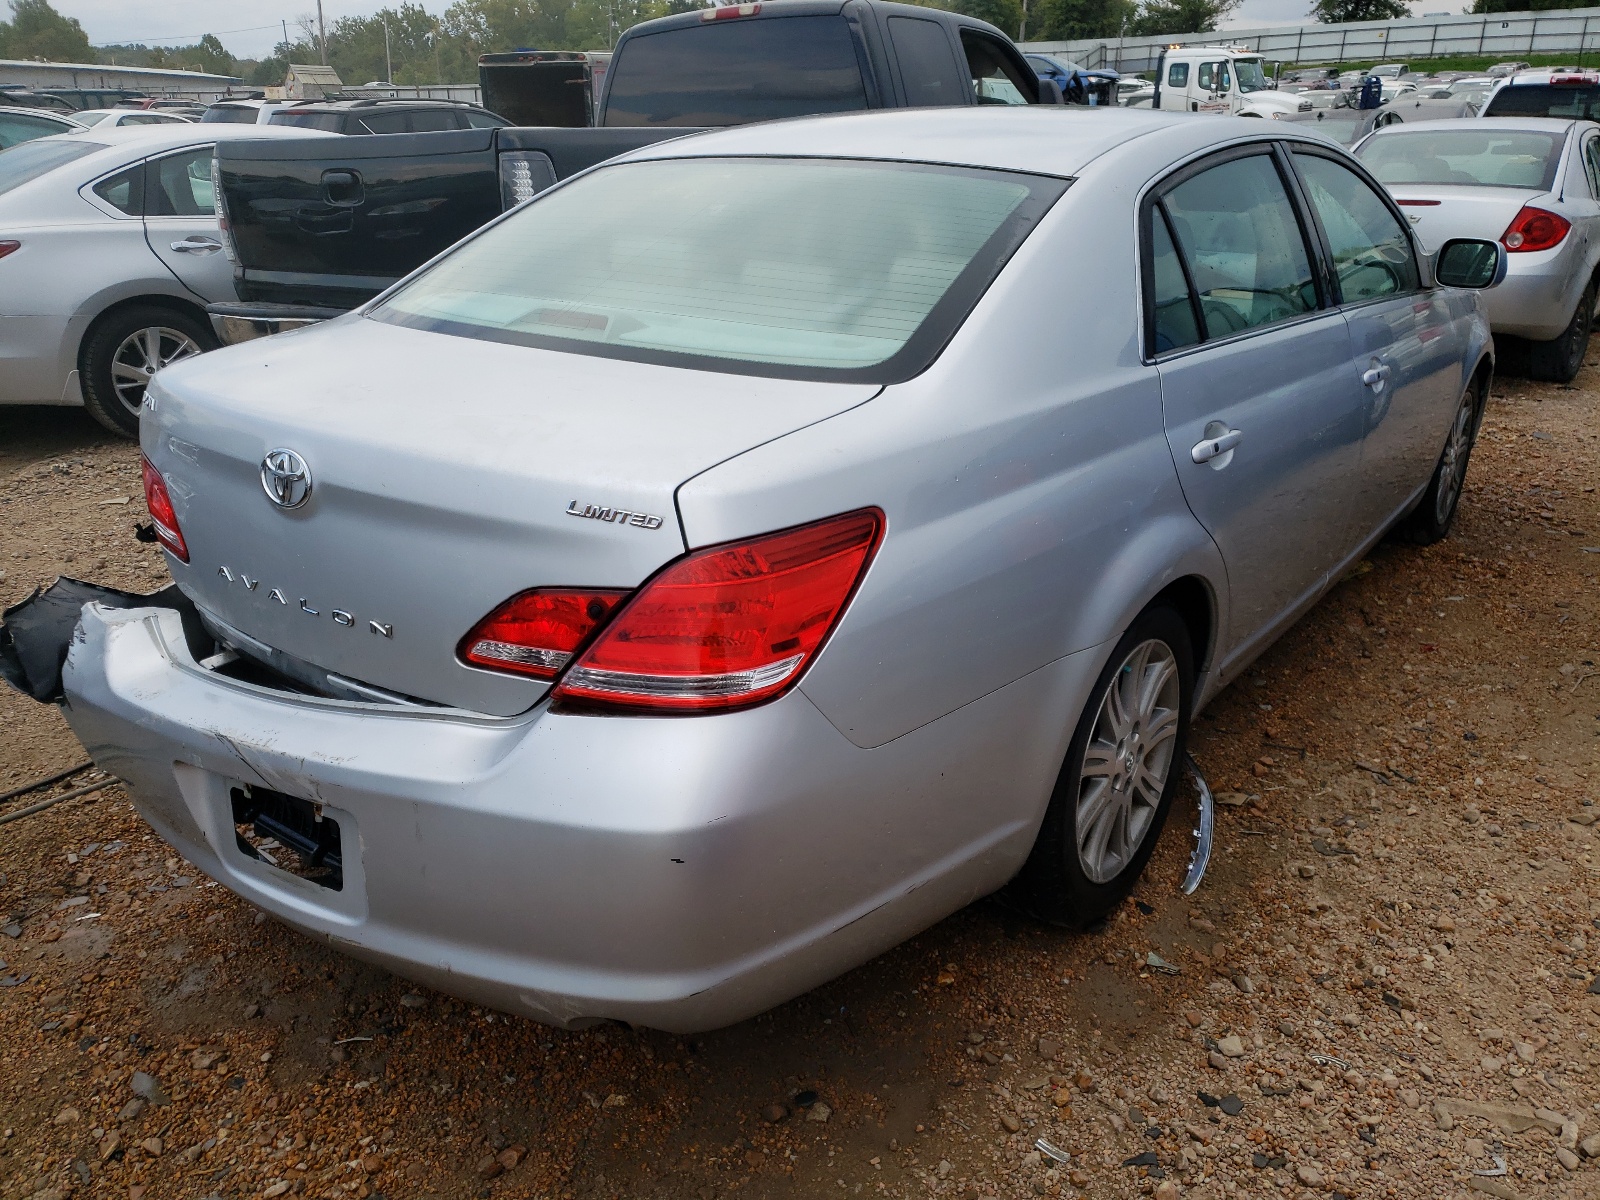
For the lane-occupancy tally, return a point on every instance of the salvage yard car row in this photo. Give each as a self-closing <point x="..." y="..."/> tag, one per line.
<point x="707" y="565"/>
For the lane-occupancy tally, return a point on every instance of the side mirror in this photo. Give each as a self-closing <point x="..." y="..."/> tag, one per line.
<point x="1470" y="263"/>
<point x="1050" y="92"/>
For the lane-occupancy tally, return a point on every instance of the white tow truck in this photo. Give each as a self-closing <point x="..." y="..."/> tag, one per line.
<point x="1225" y="80"/>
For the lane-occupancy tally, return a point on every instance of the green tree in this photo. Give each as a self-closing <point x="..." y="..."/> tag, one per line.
<point x="1066" y="20"/>
<point x="1336" y="12"/>
<point x="1497" y="6"/>
<point x="1003" y="14"/>
<point x="210" y="55"/>
<point x="36" y="30"/>
<point x="1157" y="17"/>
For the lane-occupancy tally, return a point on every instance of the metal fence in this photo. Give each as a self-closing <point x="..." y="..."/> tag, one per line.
<point x="1509" y="36"/>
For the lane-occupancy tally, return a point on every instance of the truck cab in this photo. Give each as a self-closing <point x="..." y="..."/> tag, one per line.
<point x="1227" y="81"/>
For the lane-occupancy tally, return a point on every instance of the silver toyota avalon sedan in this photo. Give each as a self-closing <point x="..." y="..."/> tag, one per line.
<point x="747" y="553"/>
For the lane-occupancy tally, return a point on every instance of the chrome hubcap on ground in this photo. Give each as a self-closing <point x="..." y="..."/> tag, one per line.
<point x="1453" y="466"/>
<point x="1127" y="760"/>
<point x="141" y="355"/>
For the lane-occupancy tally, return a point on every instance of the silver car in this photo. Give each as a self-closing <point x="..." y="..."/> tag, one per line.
<point x="109" y="253"/>
<point x="1532" y="183"/>
<point x="745" y="554"/>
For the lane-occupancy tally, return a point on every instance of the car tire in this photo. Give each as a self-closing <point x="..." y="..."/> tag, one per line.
<point x="1560" y="360"/>
<point x="118" y="350"/>
<point x="1107" y="809"/>
<point x="1430" y="521"/>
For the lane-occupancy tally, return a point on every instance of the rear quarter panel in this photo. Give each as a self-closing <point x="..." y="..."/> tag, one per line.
<point x="1032" y="504"/>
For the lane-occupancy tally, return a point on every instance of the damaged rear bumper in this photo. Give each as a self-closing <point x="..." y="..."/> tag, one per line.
<point x="677" y="874"/>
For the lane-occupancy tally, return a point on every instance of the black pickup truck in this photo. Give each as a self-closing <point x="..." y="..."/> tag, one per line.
<point x="316" y="227"/>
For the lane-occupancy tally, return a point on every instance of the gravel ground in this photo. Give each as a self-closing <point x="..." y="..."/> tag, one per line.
<point x="1384" y="986"/>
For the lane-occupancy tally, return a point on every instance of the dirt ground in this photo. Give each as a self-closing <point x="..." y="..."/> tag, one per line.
<point x="1385" y="986"/>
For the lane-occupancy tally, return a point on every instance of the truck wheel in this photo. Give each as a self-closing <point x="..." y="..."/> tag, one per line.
<point x="124" y="350"/>
<point x="1121" y="772"/>
<point x="1559" y="360"/>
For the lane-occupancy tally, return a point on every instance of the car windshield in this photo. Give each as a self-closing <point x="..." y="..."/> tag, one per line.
<point x="25" y="163"/>
<point x="1250" y="75"/>
<point x="798" y="268"/>
<point x="1545" y="100"/>
<point x="1493" y="158"/>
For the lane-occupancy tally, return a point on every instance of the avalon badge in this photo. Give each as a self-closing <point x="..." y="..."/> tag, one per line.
<point x="285" y="478"/>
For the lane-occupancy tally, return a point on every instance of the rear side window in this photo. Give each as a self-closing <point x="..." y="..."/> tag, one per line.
<point x="1545" y="100"/>
<point x="626" y="263"/>
<point x="1178" y="75"/>
<point x="1241" y="241"/>
<point x="229" y="114"/>
<point x="328" y="122"/>
<point x="731" y="72"/>
<point x="927" y="63"/>
<point x="179" y="185"/>
<point x="389" y="122"/>
<point x="432" y="120"/>
<point x="27" y="162"/>
<point x="124" y="191"/>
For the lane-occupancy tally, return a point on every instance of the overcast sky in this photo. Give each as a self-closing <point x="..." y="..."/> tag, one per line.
<point x="251" y="28"/>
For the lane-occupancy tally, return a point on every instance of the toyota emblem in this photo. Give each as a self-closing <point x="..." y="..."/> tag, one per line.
<point x="285" y="478"/>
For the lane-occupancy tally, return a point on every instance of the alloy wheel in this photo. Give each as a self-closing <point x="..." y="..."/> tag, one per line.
<point x="1128" y="760"/>
<point x="142" y="353"/>
<point x="1453" y="464"/>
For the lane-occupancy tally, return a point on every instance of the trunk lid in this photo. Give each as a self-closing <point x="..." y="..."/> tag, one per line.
<point x="447" y="474"/>
<point x="1439" y="212"/>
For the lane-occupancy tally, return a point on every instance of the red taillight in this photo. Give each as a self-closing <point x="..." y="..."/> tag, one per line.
<point x="9" y="248"/>
<point x="729" y="626"/>
<point x="1534" y="229"/>
<point x="162" y="514"/>
<point x="536" y="633"/>
<point x="728" y="12"/>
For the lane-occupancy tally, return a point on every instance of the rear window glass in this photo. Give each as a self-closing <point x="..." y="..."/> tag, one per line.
<point x="326" y="121"/>
<point x="1491" y="158"/>
<point x="730" y="72"/>
<point x="1545" y="100"/>
<point x="739" y="265"/>
<point x="230" y="114"/>
<point x="27" y="162"/>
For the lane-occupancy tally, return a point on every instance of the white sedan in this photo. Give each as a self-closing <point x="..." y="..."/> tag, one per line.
<point x="109" y="253"/>
<point x="116" y="118"/>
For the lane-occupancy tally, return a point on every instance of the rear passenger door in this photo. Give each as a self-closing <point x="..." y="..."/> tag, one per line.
<point x="1405" y="349"/>
<point x="1261" y="418"/>
<point x="180" y="222"/>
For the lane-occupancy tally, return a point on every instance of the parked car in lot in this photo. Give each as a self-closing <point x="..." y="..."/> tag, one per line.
<point x="18" y="125"/>
<point x="1347" y="125"/>
<point x="1534" y="185"/>
<point x="115" y="118"/>
<point x="1081" y="85"/>
<point x="1562" y="92"/>
<point x="642" y="615"/>
<point x="243" y="111"/>
<point x="109" y="252"/>
<point x="385" y="115"/>
<point x="1505" y="69"/>
<point x="321" y="228"/>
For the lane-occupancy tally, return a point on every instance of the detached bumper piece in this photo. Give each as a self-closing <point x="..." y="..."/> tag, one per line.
<point x="36" y="634"/>
<point x="235" y="323"/>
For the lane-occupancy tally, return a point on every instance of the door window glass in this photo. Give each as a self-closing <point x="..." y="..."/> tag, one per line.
<point x="1372" y="253"/>
<point x="432" y="120"/>
<point x="1223" y="82"/>
<point x="1591" y="165"/>
<point x="995" y="77"/>
<point x="1171" y="307"/>
<point x="180" y="185"/>
<point x="927" y="64"/>
<point x="123" y="191"/>
<point x="477" y="120"/>
<point x="389" y="122"/>
<point x="1178" y="75"/>
<point x="1238" y="233"/>
<point x="1206" y="77"/>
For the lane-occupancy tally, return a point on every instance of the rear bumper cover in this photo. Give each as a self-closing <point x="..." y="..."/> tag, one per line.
<point x="681" y="874"/>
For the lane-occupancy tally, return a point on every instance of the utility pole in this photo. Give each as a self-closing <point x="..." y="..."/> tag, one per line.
<point x="1022" y="32"/>
<point x="388" y="63"/>
<point x="322" y="34"/>
<point x="437" y="69"/>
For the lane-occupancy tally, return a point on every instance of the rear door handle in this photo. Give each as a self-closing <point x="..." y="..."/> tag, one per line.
<point x="1374" y="377"/>
<point x="197" y="245"/>
<point x="1205" y="451"/>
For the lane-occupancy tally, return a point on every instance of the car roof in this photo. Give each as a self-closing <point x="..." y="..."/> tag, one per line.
<point x="36" y="112"/>
<point x="1546" y="74"/>
<point x="1046" y="139"/>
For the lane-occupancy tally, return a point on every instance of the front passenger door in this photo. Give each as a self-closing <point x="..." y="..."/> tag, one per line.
<point x="1260" y="417"/>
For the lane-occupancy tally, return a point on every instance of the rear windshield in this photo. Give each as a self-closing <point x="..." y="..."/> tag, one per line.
<point x="1545" y="100"/>
<point x="25" y="163"/>
<point x="730" y="72"/>
<point x="229" y="114"/>
<point x="1491" y="158"/>
<point x="796" y="268"/>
